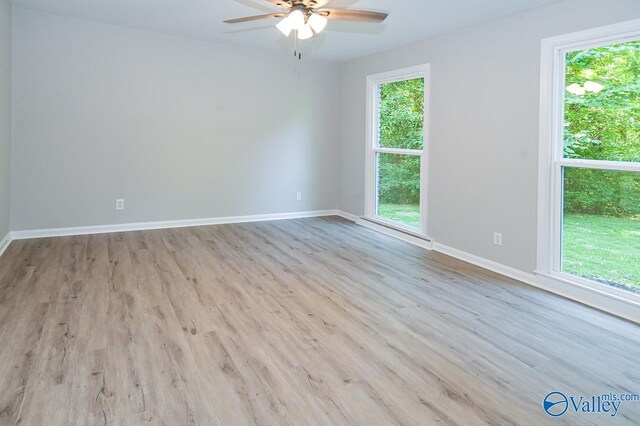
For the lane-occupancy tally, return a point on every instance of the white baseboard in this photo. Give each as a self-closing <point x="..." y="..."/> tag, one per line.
<point x="4" y="243"/>
<point x="499" y="268"/>
<point x="345" y="215"/>
<point x="144" y="226"/>
<point x="602" y="300"/>
<point x="626" y="308"/>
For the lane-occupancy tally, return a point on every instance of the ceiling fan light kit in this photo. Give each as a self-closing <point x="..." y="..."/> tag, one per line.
<point x="304" y="22"/>
<point x="305" y="32"/>
<point x="317" y="22"/>
<point x="297" y="18"/>
<point x="285" y="26"/>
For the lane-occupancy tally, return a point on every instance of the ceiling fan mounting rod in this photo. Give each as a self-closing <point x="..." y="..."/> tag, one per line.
<point x="305" y="3"/>
<point x="306" y="9"/>
<point x="302" y="8"/>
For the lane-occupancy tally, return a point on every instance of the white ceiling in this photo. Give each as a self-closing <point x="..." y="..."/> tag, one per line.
<point x="409" y="21"/>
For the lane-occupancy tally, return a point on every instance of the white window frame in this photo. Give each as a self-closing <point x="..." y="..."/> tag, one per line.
<point x="551" y="158"/>
<point x="373" y="148"/>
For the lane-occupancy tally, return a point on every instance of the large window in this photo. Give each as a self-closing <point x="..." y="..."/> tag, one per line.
<point x="592" y="184"/>
<point x="396" y="159"/>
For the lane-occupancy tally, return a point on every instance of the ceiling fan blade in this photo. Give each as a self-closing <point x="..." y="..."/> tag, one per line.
<point x="353" y="15"/>
<point x="254" y="18"/>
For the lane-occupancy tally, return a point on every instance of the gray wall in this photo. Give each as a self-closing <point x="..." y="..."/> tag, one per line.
<point x="185" y="129"/>
<point x="5" y="115"/>
<point x="180" y="129"/>
<point x="484" y="126"/>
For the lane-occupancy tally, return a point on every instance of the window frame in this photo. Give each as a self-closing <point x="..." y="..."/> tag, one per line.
<point x="373" y="148"/>
<point x="551" y="156"/>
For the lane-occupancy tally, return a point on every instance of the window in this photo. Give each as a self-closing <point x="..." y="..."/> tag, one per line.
<point x="396" y="149"/>
<point x="590" y="161"/>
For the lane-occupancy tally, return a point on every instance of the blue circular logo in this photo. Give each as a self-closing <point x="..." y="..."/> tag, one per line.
<point x="555" y="404"/>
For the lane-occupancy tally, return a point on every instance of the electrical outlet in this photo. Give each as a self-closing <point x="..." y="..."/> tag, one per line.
<point x="299" y="196"/>
<point x="120" y="204"/>
<point x="497" y="238"/>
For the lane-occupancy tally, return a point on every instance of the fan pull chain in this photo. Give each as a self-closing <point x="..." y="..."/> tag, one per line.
<point x="296" y="53"/>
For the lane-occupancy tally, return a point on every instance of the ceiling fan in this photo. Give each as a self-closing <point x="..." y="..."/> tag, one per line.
<point x="309" y="17"/>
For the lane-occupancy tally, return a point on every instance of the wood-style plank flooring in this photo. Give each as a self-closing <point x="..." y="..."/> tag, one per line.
<point x="310" y="321"/>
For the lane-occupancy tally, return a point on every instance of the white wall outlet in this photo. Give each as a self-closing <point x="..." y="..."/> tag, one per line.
<point x="497" y="238"/>
<point x="299" y="196"/>
<point x="120" y="204"/>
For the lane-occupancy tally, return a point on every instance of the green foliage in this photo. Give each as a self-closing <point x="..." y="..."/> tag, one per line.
<point x="402" y="114"/>
<point x="602" y="192"/>
<point x="602" y="248"/>
<point x="399" y="179"/>
<point x="603" y="125"/>
<point x="409" y="214"/>
<point x="401" y="126"/>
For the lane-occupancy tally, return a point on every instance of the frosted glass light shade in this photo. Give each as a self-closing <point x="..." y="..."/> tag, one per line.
<point x="285" y="26"/>
<point x="317" y="22"/>
<point x="296" y="17"/>
<point x="305" y="32"/>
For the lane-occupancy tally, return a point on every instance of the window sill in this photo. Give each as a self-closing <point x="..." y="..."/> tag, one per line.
<point x="408" y="235"/>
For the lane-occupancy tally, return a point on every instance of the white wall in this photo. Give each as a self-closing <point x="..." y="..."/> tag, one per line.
<point x="484" y="126"/>
<point x="5" y="115"/>
<point x="180" y="129"/>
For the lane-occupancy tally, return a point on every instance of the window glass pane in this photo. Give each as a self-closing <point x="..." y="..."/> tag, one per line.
<point x="602" y="103"/>
<point x="399" y="188"/>
<point x="401" y="114"/>
<point x="601" y="226"/>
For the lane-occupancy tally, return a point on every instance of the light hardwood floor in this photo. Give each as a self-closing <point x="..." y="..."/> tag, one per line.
<point x="310" y="321"/>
